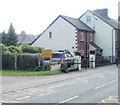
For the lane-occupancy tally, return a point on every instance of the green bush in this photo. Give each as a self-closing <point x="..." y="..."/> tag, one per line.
<point x="24" y="61"/>
<point x="43" y="67"/>
<point x="8" y="61"/>
<point x="14" y="49"/>
<point x="64" y="68"/>
<point x="27" y="61"/>
<point x="30" y="49"/>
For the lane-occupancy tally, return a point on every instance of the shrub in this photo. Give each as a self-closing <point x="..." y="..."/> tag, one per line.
<point x="30" y="49"/>
<point x="24" y="61"/>
<point x="27" y="61"/>
<point x="14" y="49"/>
<point x="43" y="67"/>
<point x="77" y="53"/>
<point x="64" y="68"/>
<point x="8" y="61"/>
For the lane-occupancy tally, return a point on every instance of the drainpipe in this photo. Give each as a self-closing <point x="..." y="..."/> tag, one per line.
<point x="112" y="43"/>
<point x="86" y="47"/>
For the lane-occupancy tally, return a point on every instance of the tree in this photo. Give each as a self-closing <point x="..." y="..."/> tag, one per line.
<point x="12" y="37"/>
<point x="4" y="38"/>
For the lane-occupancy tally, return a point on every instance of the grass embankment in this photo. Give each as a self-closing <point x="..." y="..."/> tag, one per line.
<point x="28" y="73"/>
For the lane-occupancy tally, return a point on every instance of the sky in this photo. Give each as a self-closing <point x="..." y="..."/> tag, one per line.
<point x="34" y="16"/>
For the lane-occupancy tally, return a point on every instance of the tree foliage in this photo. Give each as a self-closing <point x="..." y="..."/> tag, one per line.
<point x="30" y="49"/>
<point x="5" y="38"/>
<point x="9" y="38"/>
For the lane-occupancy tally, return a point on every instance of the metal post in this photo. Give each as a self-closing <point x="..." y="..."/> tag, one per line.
<point x="15" y="60"/>
<point x="39" y="57"/>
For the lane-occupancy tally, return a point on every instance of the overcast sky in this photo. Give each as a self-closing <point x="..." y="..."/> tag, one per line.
<point x="33" y="16"/>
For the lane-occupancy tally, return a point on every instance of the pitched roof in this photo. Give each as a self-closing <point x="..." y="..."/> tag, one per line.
<point x="113" y="23"/>
<point x="73" y="21"/>
<point x="77" y="23"/>
<point x="95" y="46"/>
<point x="25" y="39"/>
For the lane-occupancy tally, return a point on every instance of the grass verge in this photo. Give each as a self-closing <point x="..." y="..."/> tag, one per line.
<point x="27" y="73"/>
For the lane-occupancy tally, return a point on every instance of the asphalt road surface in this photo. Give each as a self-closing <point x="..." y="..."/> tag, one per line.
<point x="98" y="85"/>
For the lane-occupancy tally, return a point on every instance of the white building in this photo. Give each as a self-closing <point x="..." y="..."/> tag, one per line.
<point x="106" y="30"/>
<point x="61" y="34"/>
<point x="92" y="29"/>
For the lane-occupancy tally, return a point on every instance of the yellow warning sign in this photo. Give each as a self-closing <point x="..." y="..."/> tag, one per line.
<point x="47" y="53"/>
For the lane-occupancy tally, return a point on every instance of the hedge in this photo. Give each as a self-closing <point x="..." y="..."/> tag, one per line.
<point x="24" y="61"/>
<point x="27" y="61"/>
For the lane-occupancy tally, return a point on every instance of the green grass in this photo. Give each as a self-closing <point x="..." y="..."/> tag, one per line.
<point x="28" y="73"/>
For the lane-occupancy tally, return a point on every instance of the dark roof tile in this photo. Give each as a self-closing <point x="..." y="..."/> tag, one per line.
<point x="77" y="23"/>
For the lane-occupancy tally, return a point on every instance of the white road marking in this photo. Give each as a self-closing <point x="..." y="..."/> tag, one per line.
<point x="9" y="102"/>
<point x="106" y="84"/>
<point x="55" y="86"/>
<point x="22" y="98"/>
<point x="82" y="80"/>
<point x="98" y="75"/>
<point x="69" y="99"/>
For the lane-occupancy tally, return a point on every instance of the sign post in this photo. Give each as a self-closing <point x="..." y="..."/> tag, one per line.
<point x="47" y="54"/>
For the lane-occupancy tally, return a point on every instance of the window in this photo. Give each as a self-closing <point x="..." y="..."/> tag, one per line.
<point x="50" y="35"/>
<point x="91" y="37"/>
<point x="81" y="36"/>
<point x="88" y="18"/>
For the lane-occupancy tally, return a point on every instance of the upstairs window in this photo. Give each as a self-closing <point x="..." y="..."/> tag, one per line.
<point x="91" y="37"/>
<point x="88" y="19"/>
<point x="81" y="36"/>
<point x="50" y="35"/>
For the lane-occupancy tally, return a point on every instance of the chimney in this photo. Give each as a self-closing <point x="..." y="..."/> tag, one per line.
<point x="23" y="33"/>
<point x="102" y="12"/>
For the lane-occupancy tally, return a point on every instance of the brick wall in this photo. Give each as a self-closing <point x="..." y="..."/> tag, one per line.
<point x="83" y="45"/>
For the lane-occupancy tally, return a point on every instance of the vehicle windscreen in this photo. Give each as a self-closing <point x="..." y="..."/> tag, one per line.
<point x="57" y="55"/>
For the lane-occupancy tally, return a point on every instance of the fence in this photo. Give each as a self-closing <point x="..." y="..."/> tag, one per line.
<point x="100" y="61"/>
<point x="104" y="60"/>
<point x="20" y="61"/>
<point x="32" y="61"/>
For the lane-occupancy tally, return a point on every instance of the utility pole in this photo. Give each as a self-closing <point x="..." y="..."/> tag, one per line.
<point x="86" y="47"/>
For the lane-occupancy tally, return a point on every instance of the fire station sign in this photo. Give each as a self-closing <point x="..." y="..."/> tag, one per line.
<point x="47" y="53"/>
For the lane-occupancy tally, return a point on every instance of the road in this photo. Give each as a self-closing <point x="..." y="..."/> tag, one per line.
<point x="98" y="85"/>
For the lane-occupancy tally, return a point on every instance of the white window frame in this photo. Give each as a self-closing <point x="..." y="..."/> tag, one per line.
<point x="50" y="35"/>
<point x="82" y="37"/>
<point x="88" y="18"/>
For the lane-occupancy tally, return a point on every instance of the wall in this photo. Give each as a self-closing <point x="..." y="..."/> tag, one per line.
<point x="63" y="36"/>
<point x="83" y="45"/>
